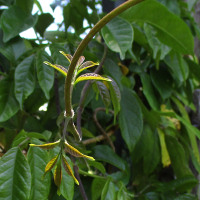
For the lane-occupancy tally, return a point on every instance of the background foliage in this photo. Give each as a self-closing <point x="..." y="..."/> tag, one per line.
<point x="147" y="111"/>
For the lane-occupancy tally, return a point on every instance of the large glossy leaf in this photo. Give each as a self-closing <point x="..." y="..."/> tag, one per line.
<point x="38" y="159"/>
<point x="97" y="186"/>
<point x="171" y="30"/>
<point x="15" y="177"/>
<point x="26" y="6"/>
<point x="130" y="119"/>
<point x="118" y="35"/>
<point x="8" y="103"/>
<point x="14" y="20"/>
<point x="44" y="20"/>
<point x="45" y="74"/>
<point x="105" y="153"/>
<point x="109" y="191"/>
<point x="24" y="79"/>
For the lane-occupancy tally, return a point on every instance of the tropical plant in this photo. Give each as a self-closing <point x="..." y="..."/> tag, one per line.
<point x="148" y="143"/>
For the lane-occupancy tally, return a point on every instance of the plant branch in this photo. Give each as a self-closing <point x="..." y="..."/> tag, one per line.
<point x="99" y="138"/>
<point x="100" y="127"/>
<point x="81" y="188"/>
<point x="84" y="92"/>
<point x="82" y="46"/>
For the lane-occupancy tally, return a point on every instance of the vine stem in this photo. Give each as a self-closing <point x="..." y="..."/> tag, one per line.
<point x="82" y="46"/>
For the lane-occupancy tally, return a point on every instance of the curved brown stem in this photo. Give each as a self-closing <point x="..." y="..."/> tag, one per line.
<point x="100" y="127"/>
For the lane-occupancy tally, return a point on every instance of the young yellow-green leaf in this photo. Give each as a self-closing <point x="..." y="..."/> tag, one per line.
<point x="86" y="65"/>
<point x="51" y="164"/>
<point x="68" y="169"/>
<point x="165" y="154"/>
<point x="90" y="76"/>
<point x="58" y="174"/>
<point x="74" y="152"/>
<point x="46" y="146"/>
<point x="68" y="56"/>
<point x="57" y="67"/>
<point x="80" y="61"/>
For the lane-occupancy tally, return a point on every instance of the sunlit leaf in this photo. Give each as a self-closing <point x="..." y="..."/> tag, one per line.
<point x="58" y="174"/>
<point x="86" y="65"/>
<point x="90" y="76"/>
<point x="46" y="146"/>
<point x="68" y="169"/>
<point x="68" y="56"/>
<point x="57" y="67"/>
<point x="164" y="152"/>
<point x="51" y="164"/>
<point x="75" y="152"/>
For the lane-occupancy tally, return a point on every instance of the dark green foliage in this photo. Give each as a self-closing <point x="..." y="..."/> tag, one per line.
<point x="151" y="148"/>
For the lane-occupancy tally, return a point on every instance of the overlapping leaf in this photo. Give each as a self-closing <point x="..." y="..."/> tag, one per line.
<point x="24" y="79"/>
<point x="15" y="181"/>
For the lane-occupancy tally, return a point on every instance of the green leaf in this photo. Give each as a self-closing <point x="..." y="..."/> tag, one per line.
<point x="151" y="152"/>
<point x="178" y="158"/>
<point x="159" y="49"/>
<point x="24" y="79"/>
<point x="105" y="153"/>
<point x="37" y="159"/>
<point x="15" y="181"/>
<point x="176" y="35"/>
<point x="86" y="65"/>
<point x="162" y="81"/>
<point x="178" y="66"/>
<point x="44" y="20"/>
<point x="25" y="5"/>
<point x="8" y="103"/>
<point x="90" y="76"/>
<point x="14" y="20"/>
<point x="109" y="191"/>
<point x="45" y="74"/>
<point x="148" y="91"/>
<point x="97" y="187"/>
<point x="130" y="119"/>
<point x="57" y="67"/>
<point x="115" y="96"/>
<point x="118" y="35"/>
<point x="103" y="90"/>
